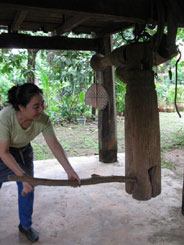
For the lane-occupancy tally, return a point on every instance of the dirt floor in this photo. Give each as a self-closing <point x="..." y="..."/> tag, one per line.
<point x="102" y="214"/>
<point x="175" y="160"/>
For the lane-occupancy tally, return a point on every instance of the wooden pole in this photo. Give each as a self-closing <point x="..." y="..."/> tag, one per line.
<point x="95" y="179"/>
<point x="107" y="130"/>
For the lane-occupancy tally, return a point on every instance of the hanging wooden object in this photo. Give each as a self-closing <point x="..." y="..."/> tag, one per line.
<point x="97" y="97"/>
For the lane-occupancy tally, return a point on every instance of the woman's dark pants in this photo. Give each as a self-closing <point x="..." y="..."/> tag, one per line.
<point x="24" y="157"/>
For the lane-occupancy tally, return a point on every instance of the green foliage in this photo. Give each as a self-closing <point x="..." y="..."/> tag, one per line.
<point x="166" y="93"/>
<point x="162" y="93"/>
<point x="5" y="85"/>
<point x="13" y="65"/>
<point x="61" y="104"/>
<point x="120" y="89"/>
<point x="73" y="107"/>
<point x="180" y="93"/>
<point x="69" y="66"/>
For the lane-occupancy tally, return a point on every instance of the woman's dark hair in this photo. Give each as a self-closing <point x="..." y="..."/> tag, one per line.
<point x="22" y="94"/>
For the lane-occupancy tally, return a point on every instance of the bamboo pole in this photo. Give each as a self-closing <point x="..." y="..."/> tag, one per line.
<point x="95" y="179"/>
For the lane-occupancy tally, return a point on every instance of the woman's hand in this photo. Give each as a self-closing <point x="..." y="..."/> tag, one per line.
<point x="26" y="188"/>
<point x="72" y="175"/>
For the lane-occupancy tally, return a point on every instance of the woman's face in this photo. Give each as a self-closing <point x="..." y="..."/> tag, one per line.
<point x="34" y="108"/>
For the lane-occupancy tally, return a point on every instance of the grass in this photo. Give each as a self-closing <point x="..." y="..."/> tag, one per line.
<point x="171" y="130"/>
<point x="79" y="140"/>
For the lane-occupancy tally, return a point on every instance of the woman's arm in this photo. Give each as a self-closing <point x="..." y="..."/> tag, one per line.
<point x="60" y="155"/>
<point x="11" y="163"/>
<point x="8" y="159"/>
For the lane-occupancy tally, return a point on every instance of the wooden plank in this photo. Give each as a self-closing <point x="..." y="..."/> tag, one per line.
<point x="70" y="24"/>
<point x="20" y="41"/>
<point x="19" y="18"/>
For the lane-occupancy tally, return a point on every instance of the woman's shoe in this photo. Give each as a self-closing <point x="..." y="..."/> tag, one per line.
<point x="31" y="234"/>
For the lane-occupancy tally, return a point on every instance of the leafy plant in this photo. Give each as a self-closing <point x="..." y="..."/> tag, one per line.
<point x="5" y="85"/>
<point x="74" y="107"/>
<point x="120" y="89"/>
<point x="162" y="94"/>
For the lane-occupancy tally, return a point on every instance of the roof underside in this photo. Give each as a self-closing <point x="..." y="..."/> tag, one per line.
<point x="99" y="17"/>
<point x="60" y="17"/>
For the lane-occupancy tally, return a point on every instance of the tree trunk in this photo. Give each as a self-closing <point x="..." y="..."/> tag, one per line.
<point x="31" y="65"/>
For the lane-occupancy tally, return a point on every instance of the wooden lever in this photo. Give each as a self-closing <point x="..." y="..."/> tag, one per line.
<point x="95" y="179"/>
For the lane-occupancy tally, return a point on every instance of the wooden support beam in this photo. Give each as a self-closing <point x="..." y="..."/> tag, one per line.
<point x="95" y="179"/>
<point x="107" y="129"/>
<point x="70" y="24"/>
<point x="19" y="18"/>
<point x="21" y="41"/>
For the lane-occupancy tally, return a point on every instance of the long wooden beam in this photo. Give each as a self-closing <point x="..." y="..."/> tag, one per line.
<point x="95" y="179"/>
<point x="21" y="41"/>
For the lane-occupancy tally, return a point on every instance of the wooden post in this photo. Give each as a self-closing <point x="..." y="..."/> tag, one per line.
<point x="107" y="131"/>
<point x="134" y="64"/>
<point x="142" y="131"/>
<point x="142" y="136"/>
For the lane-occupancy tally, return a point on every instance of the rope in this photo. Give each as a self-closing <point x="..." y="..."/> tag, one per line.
<point x="176" y="83"/>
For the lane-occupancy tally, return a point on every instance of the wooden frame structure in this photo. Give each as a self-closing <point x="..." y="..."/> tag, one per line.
<point x="101" y="19"/>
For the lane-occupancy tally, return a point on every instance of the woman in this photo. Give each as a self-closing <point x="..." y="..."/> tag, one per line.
<point x="20" y="123"/>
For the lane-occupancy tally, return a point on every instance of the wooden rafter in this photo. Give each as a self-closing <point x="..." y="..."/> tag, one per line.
<point x="19" y="18"/>
<point x="70" y="24"/>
